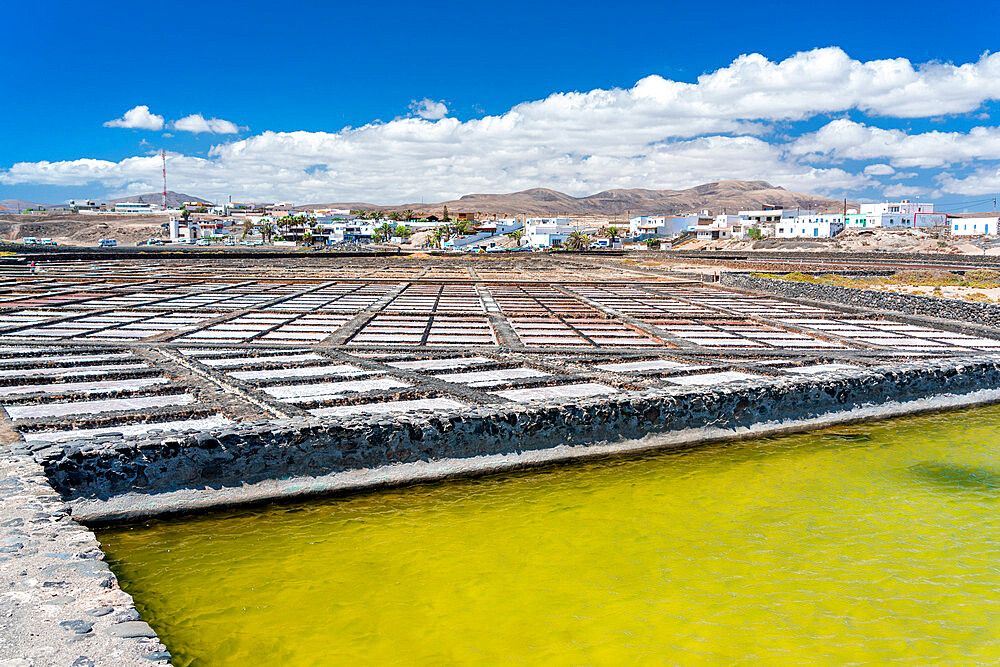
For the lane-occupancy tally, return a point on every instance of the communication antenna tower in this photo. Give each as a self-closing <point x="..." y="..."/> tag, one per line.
<point x="163" y="156"/>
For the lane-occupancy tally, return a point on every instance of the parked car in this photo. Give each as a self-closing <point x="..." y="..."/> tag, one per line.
<point x="29" y="240"/>
<point x="107" y="243"/>
<point x="203" y="242"/>
<point x="46" y="242"/>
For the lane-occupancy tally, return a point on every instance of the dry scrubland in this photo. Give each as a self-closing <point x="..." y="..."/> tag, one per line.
<point x="82" y="229"/>
<point x="982" y="285"/>
<point x="854" y="240"/>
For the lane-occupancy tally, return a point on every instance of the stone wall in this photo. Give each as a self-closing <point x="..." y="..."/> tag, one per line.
<point x="949" y="309"/>
<point x="233" y="456"/>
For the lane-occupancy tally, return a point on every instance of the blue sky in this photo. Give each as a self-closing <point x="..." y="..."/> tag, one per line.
<point x="394" y="102"/>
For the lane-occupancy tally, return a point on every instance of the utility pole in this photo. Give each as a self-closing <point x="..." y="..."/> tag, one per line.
<point x="163" y="156"/>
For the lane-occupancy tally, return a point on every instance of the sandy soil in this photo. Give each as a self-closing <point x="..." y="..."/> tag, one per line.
<point x="82" y="229"/>
<point x="946" y="291"/>
<point x="905" y="241"/>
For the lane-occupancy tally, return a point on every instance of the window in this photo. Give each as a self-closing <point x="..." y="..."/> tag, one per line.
<point x="816" y="231"/>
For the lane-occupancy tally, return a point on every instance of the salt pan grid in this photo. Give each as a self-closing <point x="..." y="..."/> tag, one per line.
<point x="897" y="336"/>
<point x="393" y="329"/>
<point x="593" y="332"/>
<point x="437" y="298"/>
<point x="140" y="347"/>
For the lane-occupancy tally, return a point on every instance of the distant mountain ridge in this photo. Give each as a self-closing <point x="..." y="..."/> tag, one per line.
<point x="719" y="197"/>
<point x="174" y="199"/>
<point x="15" y="205"/>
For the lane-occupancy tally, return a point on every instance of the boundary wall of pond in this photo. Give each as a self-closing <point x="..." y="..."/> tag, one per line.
<point x="914" y="304"/>
<point x="206" y="463"/>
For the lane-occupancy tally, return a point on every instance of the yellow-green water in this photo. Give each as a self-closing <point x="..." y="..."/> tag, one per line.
<point x="871" y="543"/>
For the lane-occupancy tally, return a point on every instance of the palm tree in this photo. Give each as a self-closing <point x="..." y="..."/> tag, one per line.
<point x="402" y="231"/>
<point x="440" y="235"/>
<point x="384" y="232"/>
<point x="408" y="214"/>
<point x="611" y="233"/>
<point x="267" y="232"/>
<point x="444" y="215"/>
<point x="517" y="235"/>
<point x="394" y="216"/>
<point x="577" y="240"/>
<point x="247" y="228"/>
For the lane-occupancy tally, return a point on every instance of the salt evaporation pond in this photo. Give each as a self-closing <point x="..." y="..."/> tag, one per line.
<point x="870" y="543"/>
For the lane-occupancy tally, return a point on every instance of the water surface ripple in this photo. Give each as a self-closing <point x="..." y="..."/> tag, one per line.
<point x="871" y="543"/>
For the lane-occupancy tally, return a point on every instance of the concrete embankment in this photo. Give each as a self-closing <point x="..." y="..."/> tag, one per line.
<point x="61" y="604"/>
<point x="117" y="478"/>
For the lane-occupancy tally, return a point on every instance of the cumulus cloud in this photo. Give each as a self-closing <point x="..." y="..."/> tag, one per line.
<point x="138" y="118"/>
<point x="848" y="139"/>
<point x="429" y="109"/>
<point x="879" y="170"/>
<point x="196" y="123"/>
<point x="894" y="191"/>
<point x="659" y="133"/>
<point x="981" y="181"/>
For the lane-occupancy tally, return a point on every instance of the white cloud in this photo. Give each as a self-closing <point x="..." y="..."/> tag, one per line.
<point x="429" y="109"/>
<point x="658" y="134"/>
<point x="138" y="118"/>
<point x="879" y="170"/>
<point x="197" y="123"/>
<point x="847" y="139"/>
<point x="981" y="181"/>
<point x="894" y="191"/>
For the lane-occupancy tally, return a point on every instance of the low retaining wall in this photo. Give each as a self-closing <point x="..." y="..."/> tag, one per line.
<point x="312" y="447"/>
<point x="950" y="309"/>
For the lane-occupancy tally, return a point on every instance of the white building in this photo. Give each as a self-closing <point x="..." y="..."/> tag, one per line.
<point x="822" y="226"/>
<point x="904" y="207"/>
<point x="903" y="214"/>
<point x="548" y="232"/>
<point x="980" y="225"/>
<point x="661" y="225"/>
<point x="720" y="227"/>
<point x="760" y="217"/>
<point x="767" y="220"/>
<point x="504" y="226"/>
<point x="133" y="207"/>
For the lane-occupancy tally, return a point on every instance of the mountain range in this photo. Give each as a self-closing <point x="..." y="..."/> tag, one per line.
<point x="719" y="197"/>
<point x="174" y="199"/>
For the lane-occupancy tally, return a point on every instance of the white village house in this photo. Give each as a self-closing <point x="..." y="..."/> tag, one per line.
<point x="816" y="225"/>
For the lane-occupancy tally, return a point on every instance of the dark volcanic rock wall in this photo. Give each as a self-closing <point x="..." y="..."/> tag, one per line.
<point x="233" y="456"/>
<point x="949" y="309"/>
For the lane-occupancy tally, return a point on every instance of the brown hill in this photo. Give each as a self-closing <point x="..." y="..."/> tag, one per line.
<point x="18" y="205"/>
<point x="720" y="197"/>
<point x="173" y="198"/>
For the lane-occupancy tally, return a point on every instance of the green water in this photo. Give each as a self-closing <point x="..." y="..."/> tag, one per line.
<point x="871" y="543"/>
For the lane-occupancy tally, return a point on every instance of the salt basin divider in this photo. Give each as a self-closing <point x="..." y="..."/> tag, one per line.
<point x="114" y="479"/>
